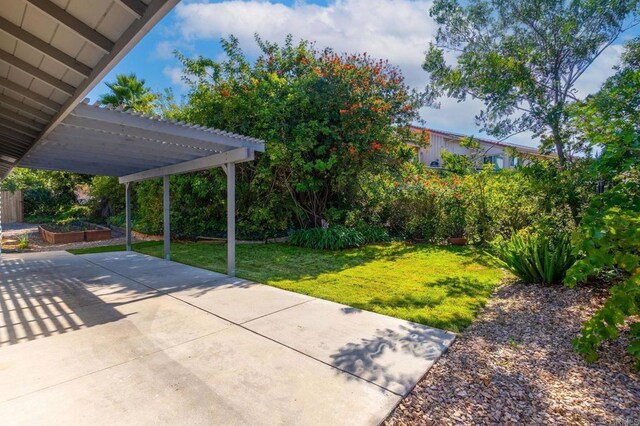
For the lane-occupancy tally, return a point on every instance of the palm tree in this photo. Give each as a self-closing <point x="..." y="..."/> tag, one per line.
<point x="130" y="93"/>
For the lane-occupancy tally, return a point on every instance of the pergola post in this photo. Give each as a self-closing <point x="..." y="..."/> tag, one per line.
<point x="230" y="169"/>
<point x="127" y="198"/>
<point x="167" y="225"/>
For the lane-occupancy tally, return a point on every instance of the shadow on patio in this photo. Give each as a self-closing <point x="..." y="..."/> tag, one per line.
<point x="36" y="301"/>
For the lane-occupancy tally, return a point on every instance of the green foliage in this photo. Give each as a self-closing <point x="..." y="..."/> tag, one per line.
<point x="107" y="196"/>
<point x="23" y="242"/>
<point x="536" y="258"/>
<point x="330" y="122"/>
<point x="609" y="237"/>
<point x="332" y="238"/>
<point x="46" y="193"/>
<point x="609" y="234"/>
<point x="522" y="58"/>
<point x="338" y="237"/>
<point x="373" y="234"/>
<point x="327" y="119"/>
<point x="130" y="93"/>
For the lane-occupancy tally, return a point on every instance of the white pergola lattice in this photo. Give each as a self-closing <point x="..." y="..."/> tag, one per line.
<point x="102" y="141"/>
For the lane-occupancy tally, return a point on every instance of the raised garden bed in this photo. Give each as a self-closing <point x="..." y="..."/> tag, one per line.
<point x="73" y="233"/>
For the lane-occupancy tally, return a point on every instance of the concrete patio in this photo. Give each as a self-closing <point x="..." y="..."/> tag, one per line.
<point x="124" y="338"/>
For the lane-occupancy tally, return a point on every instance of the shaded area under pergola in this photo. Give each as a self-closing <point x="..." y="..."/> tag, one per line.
<point x="102" y="141"/>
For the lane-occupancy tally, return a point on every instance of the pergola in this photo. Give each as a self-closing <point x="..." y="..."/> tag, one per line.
<point x="52" y="53"/>
<point x="102" y="141"/>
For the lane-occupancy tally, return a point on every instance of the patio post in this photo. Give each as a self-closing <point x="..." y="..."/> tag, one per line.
<point x="231" y="218"/>
<point x="167" y="229"/>
<point x="127" y="198"/>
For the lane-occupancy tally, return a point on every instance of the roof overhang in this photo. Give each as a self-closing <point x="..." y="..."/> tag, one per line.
<point x="102" y="141"/>
<point x="52" y="53"/>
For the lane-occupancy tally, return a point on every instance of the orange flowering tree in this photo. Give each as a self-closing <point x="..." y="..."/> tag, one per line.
<point x="328" y="119"/>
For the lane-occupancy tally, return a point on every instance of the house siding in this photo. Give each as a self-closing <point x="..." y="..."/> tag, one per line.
<point x="439" y="142"/>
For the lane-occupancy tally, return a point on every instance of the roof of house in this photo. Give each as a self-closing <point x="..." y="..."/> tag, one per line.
<point x="453" y="135"/>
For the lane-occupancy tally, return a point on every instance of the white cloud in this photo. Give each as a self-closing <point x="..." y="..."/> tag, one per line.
<point x="598" y="72"/>
<point x="398" y="30"/>
<point x="175" y="74"/>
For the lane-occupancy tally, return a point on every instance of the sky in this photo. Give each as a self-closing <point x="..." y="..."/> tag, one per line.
<point x="398" y="30"/>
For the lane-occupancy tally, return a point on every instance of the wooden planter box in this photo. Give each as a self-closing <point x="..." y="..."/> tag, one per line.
<point x="97" y="234"/>
<point x="61" y="237"/>
<point x="75" y="236"/>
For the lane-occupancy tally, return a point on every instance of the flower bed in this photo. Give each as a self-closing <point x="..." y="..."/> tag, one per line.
<point x="73" y="233"/>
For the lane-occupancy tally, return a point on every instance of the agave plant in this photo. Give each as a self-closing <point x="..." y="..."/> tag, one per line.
<point x="536" y="258"/>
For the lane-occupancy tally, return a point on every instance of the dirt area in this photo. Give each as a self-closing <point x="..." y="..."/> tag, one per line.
<point x="71" y="227"/>
<point x="515" y="365"/>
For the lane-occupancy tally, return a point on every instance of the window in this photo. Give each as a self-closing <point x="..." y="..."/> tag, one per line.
<point x="514" y="162"/>
<point x="496" y="160"/>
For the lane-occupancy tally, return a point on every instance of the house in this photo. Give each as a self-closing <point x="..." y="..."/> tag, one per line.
<point x="492" y="151"/>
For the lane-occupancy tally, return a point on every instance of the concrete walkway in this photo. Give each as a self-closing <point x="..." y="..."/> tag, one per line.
<point x="124" y="338"/>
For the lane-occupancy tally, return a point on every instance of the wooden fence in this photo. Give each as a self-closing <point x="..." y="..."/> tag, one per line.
<point x="12" y="207"/>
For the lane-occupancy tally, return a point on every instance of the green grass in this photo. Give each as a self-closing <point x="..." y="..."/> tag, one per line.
<point x="442" y="287"/>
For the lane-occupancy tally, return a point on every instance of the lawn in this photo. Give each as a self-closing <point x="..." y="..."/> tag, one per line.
<point x="441" y="286"/>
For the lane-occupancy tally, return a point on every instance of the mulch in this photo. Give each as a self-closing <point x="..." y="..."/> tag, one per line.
<point x="515" y="365"/>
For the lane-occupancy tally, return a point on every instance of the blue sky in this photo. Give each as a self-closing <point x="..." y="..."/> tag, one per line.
<point x="398" y="30"/>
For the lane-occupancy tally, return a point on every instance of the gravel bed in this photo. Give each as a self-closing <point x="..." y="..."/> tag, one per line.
<point x="36" y="243"/>
<point x="515" y="365"/>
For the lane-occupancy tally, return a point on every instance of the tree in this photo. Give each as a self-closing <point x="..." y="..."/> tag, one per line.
<point x="130" y="93"/>
<point x="522" y="59"/>
<point x="327" y="119"/>
<point x="609" y="235"/>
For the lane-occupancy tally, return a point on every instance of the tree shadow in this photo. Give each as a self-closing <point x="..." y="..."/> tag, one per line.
<point x="394" y="359"/>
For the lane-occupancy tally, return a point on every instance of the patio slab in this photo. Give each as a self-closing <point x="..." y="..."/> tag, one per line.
<point x="123" y="338"/>
<point x="387" y="351"/>
<point x="239" y="300"/>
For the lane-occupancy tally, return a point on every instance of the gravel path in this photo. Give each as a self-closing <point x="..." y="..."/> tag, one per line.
<point x="515" y="365"/>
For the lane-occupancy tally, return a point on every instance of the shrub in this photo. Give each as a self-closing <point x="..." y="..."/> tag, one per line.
<point x="23" y="242"/>
<point x="536" y="258"/>
<point x="374" y="234"/>
<point x="334" y="238"/>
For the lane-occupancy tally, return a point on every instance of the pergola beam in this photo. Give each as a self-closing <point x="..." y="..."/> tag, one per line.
<point x="44" y="47"/>
<point x="230" y="169"/>
<point x="127" y="213"/>
<point x="37" y="73"/>
<point x="204" y="163"/>
<point x="7" y="146"/>
<point x="166" y="207"/>
<point x="74" y="24"/>
<point x="52" y="152"/>
<point x="25" y="121"/>
<point x="10" y="124"/>
<point x="85" y="167"/>
<point x="16" y="136"/>
<point x="23" y="91"/>
<point x="136" y="7"/>
<point x="34" y="112"/>
<point x="144" y="148"/>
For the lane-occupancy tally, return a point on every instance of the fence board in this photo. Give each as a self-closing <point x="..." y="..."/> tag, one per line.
<point x="12" y="206"/>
